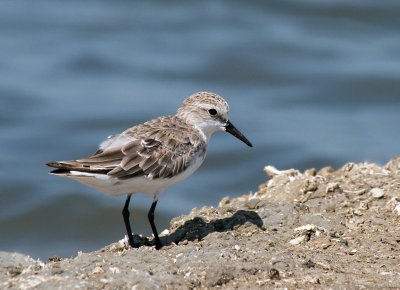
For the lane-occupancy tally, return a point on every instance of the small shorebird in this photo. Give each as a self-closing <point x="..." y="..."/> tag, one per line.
<point x="152" y="156"/>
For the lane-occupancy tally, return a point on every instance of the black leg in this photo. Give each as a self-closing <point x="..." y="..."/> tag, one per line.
<point x="125" y="214"/>
<point x="153" y="226"/>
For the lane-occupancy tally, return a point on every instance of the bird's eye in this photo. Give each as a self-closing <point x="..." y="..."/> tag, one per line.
<point x="212" y="112"/>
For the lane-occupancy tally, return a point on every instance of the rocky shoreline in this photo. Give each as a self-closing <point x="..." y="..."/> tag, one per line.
<point x="318" y="229"/>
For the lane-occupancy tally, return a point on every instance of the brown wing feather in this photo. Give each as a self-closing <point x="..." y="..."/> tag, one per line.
<point x="161" y="152"/>
<point x="152" y="159"/>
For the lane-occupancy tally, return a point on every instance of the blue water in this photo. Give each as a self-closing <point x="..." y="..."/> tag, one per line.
<point x="310" y="83"/>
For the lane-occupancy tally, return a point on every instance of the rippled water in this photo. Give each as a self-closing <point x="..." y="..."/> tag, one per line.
<point x="310" y="83"/>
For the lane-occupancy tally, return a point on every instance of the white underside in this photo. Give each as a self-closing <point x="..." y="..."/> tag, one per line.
<point x="114" y="186"/>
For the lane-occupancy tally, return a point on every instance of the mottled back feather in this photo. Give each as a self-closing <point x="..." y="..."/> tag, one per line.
<point x="160" y="148"/>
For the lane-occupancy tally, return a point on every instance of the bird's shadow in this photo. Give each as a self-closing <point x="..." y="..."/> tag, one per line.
<point x="197" y="228"/>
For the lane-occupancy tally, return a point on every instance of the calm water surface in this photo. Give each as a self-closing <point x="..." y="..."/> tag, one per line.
<point x="310" y="83"/>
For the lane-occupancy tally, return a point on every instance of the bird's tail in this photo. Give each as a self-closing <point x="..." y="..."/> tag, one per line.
<point x="65" y="167"/>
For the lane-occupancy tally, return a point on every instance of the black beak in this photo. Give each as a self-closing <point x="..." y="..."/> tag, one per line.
<point x="235" y="132"/>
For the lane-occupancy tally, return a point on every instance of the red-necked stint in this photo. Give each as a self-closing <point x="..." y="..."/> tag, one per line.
<point x="152" y="156"/>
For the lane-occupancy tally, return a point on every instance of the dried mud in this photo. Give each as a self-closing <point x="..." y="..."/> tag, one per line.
<point x="317" y="229"/>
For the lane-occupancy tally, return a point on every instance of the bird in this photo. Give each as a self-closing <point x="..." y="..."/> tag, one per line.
<point x="152" y="156"/>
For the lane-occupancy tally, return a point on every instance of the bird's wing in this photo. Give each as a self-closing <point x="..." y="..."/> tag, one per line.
<point x="152" y="158"/>
<point x="160" y="153"/>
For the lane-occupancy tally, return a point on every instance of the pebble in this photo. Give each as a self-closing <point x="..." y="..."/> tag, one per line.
<point x="332" y="187"/>
<point x="271" y="171"/>
<point x="309" y="263"/>
<point x="394" y="204"/>
<point x="385" y="273"/>
<point x="274" y="274"/>
<point x="377" y="192"/>
<point x="165" y="232"/>
<point x="252" y="203"/>
<point x="307" y="228"/>
<point x="297" y="240"/>
<point x="314" y="280"/>
<point x="97" y="270"/>
<point x="397" y="209"/>
<point x="353" y="252"/>
<point x="114" y="270"/>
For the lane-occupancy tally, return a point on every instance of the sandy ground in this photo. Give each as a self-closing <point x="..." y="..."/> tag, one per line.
<point x="317" y="229"/>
